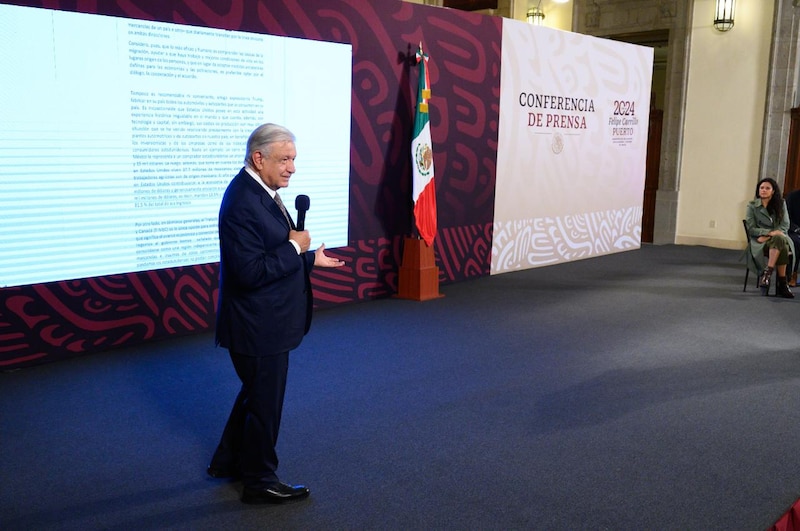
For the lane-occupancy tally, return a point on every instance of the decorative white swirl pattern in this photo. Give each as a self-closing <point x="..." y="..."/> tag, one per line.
<point x="522" y="244"/>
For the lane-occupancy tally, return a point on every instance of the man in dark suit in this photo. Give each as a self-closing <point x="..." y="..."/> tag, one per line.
<point x="793" y="208"/>
<point x="264" y="310"/>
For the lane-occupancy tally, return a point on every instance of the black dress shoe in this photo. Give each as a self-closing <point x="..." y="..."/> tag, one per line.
<point x="222" y="472"/>
<point x="279" y="493"/>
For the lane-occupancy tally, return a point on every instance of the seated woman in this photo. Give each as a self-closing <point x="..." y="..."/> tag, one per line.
<point x="767" y="224"/>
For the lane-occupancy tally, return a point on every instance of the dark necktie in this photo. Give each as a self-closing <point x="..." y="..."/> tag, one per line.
<point x="283" y="208"/>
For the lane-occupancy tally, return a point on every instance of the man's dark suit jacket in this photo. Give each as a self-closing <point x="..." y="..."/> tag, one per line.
<point x="265" y="298"/>
<point x="793" y="207"/>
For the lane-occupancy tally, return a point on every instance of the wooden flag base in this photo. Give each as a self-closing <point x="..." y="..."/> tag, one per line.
<point x="419" y="276"/>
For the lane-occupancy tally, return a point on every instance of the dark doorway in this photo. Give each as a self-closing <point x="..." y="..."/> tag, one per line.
<point x="659" y="41"/>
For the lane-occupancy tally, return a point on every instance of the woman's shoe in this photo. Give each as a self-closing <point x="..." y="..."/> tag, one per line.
<point x="793" y="280"/>
<point x="782" y="289"/>
<point x="764" y="281"/>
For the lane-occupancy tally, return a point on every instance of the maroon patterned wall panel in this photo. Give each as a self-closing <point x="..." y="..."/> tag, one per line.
<point x="58" y="320"/>
<point x="61" y="319"/>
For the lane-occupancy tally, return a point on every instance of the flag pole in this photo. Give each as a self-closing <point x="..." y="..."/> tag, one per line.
<point x="418" y="278"/>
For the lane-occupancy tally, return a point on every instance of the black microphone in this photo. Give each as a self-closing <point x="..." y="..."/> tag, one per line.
<point x="301" y="203"/>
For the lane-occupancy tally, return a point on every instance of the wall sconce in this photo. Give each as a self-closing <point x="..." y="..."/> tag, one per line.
<point x="723" y="17"/>
<point x="535" y="15"/>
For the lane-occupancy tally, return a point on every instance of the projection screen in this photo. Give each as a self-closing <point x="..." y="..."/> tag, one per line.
<point x="119" y="136"/>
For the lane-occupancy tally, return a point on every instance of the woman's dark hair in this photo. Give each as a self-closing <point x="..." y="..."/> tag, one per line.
<point x="775" y="205"/>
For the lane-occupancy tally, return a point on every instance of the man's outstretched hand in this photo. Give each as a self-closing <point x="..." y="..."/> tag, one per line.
<point x="323" y="260"/>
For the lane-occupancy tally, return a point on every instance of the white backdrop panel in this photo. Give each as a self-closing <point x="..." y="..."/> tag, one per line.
<point x="572" y="145"/>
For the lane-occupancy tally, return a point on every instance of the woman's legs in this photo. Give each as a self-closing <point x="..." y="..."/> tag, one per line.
<point x="777" y="259"/>
<point x="772" y="262"/>
<point x="772" y="259"/>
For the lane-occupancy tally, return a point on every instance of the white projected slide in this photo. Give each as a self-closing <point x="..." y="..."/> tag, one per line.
<point x="118" y="138"/>
<point x="572" y="145"/>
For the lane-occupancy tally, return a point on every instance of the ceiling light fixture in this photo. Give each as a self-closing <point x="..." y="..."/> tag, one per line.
<point x="723" y="16"/>
<point x="535" y="15"/>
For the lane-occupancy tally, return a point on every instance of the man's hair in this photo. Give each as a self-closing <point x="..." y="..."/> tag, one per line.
<point x="263" y="137"/>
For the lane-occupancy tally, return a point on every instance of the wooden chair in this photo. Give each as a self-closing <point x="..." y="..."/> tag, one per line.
<point x="749" y="251"/>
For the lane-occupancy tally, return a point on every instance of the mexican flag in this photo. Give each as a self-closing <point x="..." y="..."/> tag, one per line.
<point x="424" y="189"/>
